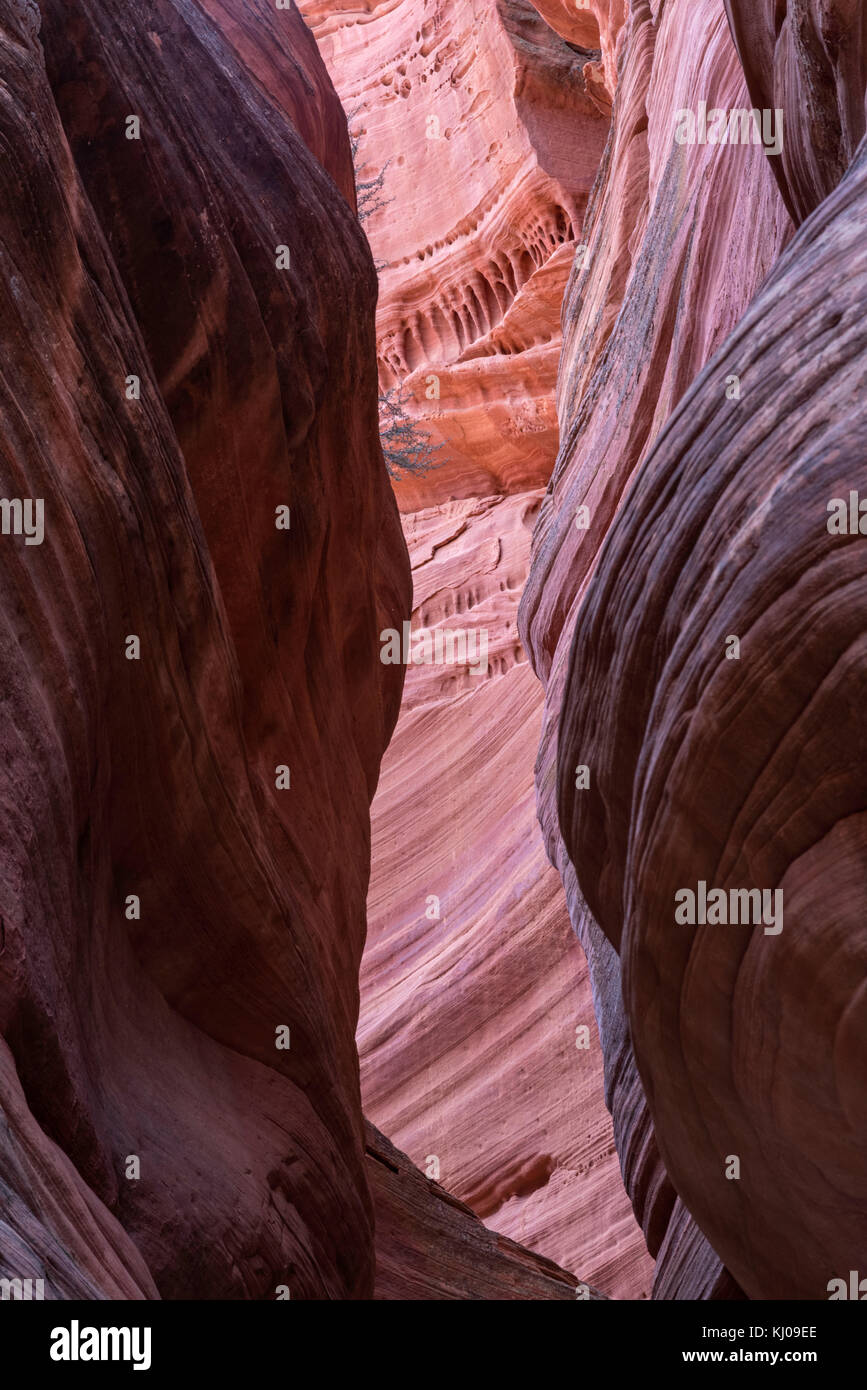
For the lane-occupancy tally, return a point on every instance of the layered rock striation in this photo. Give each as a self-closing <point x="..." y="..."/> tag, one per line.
<point x="488" y="129"/>
<point x="477" y="1035"/>
<point x="430" y="1246"/>
<point x="680" y="238"/>
<point x="744" y="774"/>
<point x="169" y="900"/>
<point x="709" y="412"/>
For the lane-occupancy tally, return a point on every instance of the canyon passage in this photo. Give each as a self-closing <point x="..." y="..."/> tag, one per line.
<point x="567" y="410"/>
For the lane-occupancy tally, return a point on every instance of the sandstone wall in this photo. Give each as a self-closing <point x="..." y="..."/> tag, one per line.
<point x="155" y="1036"/>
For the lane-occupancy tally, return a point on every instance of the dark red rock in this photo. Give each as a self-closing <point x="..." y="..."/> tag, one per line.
<point x="808" y="59"/>
<point x="259" y="647"/>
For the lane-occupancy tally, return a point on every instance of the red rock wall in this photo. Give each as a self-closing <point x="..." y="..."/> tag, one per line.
<point x="430" y="1246"/>
<point x="699" y="514"/>
<point x="673" y="262"/>
<point x="744" y="773"/>
<point x="468" y="1022"/>
<point x="491" y="135"/>
<point x="807" y="58"/>
<point x="701" y="768"/>
<point x="156" y="777"/>
<point x="470" y="1003"/>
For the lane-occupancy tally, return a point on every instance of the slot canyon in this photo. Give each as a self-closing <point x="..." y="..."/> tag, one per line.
<point x="331" y="976"/>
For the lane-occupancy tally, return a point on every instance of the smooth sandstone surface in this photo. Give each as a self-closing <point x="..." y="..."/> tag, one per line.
<point x="712" y="1015"/>
<point x="155" y="1037"/>
<point x="680" y="238"/>
<point x="744" y="773"/>
<point x="150" y="1040"/>
<point x="598" y="458"/>
<point x="489" y="129"/>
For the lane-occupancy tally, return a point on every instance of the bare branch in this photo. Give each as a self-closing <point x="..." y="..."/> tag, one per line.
<point x="406" y="446"/>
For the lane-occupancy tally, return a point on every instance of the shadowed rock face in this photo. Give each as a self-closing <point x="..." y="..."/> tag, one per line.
<point x="744" y="773"/>
<point x="155" y="777"/>
<point x="280" y="53"/>
<point x="593" y="26"/>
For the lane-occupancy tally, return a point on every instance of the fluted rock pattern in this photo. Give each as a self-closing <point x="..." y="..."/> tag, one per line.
<point x="673" y="262"/>
<point x="489" y="130"/>
<point x="152" y="1036"/>
<point x="745" y="773"/>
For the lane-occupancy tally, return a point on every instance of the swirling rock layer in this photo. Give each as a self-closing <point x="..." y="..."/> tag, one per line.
<point x="807" y="59"/>
<point x="488" y="129"/>
<point x="744" y="773"/>
<point x="472" y="983"/>
<point x="673" y="262"/>
<point x="152" y="1036"/>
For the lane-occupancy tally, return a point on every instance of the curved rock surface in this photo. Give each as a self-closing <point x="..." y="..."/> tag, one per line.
<point x="493" y="128"/>
<point x="472" y="983"/>
<point x="744" y="773"/>
<point x="489" y="130"/>
<point x="153" y="1036"/>
<point x="680" y="238"/>
<point x="594" y="26"/>
<point x="808" y="59"/>
<point x="430" y="1246"/>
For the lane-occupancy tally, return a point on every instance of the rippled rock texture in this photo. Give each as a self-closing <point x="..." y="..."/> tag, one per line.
<point x="707" y="506"/>
<point x="473" y="985"/>
<point x="673" y="262"/>
<point x="744" y="773"/>
<point x="431" y="1246"/>
<point x="149" y="1032"/>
